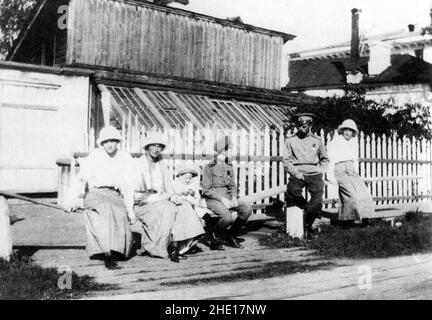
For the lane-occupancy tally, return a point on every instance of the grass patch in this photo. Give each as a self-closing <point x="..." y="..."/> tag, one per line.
<point x="268" y="270"/>
<point x="377" y="240"/>
<point x="21" y="279"/>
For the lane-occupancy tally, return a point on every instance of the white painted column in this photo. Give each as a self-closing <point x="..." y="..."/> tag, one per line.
<point x="5" y="231"/>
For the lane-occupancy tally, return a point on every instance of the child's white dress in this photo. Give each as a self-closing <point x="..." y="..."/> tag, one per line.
<point x="185" y="191"/>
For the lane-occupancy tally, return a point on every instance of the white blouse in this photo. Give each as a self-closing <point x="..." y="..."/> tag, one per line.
<point x="153" y="176"/>
<point x="340" y="149"/>
<point x="101" y="170"/>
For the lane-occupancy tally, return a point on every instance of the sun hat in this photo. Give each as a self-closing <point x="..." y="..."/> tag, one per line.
<point x="348" y="124"/>
<point x="187" y="169"/>
<point x="154" y="138"/>
<point x="223" y="144"/>
<point x="108" y="133"/>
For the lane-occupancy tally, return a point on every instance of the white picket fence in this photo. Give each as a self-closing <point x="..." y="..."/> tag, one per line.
<point x="397" y="171"/>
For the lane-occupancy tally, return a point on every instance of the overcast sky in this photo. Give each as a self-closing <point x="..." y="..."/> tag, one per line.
<point x="318" y="22"/>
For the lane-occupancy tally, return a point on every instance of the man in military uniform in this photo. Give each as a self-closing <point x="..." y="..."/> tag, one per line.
<point x="220" y="191"/>
<point x="306" y="160"/>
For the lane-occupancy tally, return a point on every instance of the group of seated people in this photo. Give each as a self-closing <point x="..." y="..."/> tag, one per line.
<point x="173" y="214"/>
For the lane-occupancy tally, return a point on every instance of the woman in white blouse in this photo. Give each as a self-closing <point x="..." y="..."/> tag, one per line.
<point x="356" y="201"/>
<point x="108" y="204"/>
<point x="166" y="222"/>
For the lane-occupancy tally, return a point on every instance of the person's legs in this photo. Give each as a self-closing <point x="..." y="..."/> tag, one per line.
<point x="210" y="228"/>
<point x="224" y="222"/>
<point x="157" y="221"/>
<point x="244" y="210"/>
<point x="315" y="186"/>
<point x="224" y="214"/>
<point x="294" y="195"/>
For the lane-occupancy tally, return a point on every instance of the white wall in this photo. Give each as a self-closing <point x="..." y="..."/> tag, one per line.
<point x="43" y="117"/>
<point x="325" y="93"/>
<point x="400" y="95"/>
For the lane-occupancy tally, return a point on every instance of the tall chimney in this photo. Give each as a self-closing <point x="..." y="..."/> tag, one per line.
<point x="380" y="57"/>
<point x="355" y="33"/>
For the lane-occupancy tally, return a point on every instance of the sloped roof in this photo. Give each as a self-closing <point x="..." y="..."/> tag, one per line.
<point x="161" y="109"/>
<point x="321" y="73"/>
<point x="405" y="69"/>
<point x="395" y="38"/>
<point x="329" y="73"/>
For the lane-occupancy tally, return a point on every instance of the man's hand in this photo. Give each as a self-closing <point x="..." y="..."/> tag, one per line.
<point x="234" y="202"/>
<point x="226" y="203"/>
<point x="332" y="180"/>
<point x="132" y="217"/>
<point x="299" y="176"/>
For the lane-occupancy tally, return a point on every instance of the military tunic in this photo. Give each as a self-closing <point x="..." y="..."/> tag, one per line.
<point x="218" y="182"/>
<point x="307" y="156"/>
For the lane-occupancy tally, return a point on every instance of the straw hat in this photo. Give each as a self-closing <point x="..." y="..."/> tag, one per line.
<point x="223" y="144"/>
<point x="108" y="133"/>
<point x="348" y="124"/>
<point x="154" y="138"/>
<point x="187" y="169"/>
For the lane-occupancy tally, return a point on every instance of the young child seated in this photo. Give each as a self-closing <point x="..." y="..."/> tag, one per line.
<point x="187" y="190"/>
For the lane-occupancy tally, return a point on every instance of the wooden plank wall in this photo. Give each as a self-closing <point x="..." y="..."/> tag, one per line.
<point x="143" y="38"/>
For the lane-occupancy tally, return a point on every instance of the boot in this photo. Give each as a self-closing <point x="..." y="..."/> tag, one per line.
<point x="235" y="229"/>
<point x="110" y="263"/>
<point x="209" y="228"/>
<point x="174" y="254"/>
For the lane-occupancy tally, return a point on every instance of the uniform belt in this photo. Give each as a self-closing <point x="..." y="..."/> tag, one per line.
<point x="305" y="164"/>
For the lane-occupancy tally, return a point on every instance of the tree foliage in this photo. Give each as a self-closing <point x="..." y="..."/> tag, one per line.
<point x="13" y="14"/>
<point x="411" y="120"/>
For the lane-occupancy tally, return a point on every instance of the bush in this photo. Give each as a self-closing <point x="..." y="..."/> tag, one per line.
<point x="411" y="120"/>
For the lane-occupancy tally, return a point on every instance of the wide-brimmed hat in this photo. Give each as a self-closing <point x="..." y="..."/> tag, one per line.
<point x="223" y="144"/>
<point x="187" y="169"/>
<point x="348" y="124"/>
<point x="154" y="138"/>
<point x="108" y="133"/>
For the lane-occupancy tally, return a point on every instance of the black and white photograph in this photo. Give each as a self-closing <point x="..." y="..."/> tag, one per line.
<point x="236" y="152"/>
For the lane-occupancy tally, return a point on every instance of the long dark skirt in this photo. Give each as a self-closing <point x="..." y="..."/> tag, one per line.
<point x="158" y="221"/>
<point x="357" y="202"/>
<point x="106" y="223"/>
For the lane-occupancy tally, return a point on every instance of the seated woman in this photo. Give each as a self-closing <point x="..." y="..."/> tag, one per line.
<point x="221" y="194"/>
<point x="190" y="210"/>
<point x="157" y="205"/>
<point x="108" y="204"/>
<point x="357" y="202"/>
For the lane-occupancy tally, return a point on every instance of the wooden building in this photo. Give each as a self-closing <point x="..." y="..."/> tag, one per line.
<point x="80" y="64"/>
<point x="141" y="36"/>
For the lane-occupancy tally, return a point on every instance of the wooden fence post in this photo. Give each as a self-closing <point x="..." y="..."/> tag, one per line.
<point x="5" y="231"/>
